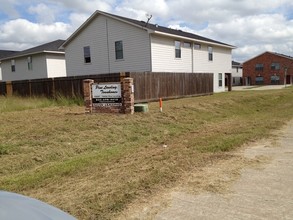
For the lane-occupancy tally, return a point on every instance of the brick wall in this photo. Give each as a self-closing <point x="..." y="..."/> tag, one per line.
<point x="267" y="59"/>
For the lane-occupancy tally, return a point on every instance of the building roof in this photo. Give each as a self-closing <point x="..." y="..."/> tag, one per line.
<point x="6" y="53"/>
<point x="274" y="53"/>
<point x="51" y="47"/>
<point x="234" y="63"/>
<point x="152" y="28"/>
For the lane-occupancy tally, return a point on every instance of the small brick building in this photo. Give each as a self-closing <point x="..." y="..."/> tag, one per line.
<point x="268" y="68"/>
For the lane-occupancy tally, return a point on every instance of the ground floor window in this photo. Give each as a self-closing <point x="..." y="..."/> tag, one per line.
<point x="259" y="80"/>
<point x="275" y="80"/>
<point x="220" y="77"/>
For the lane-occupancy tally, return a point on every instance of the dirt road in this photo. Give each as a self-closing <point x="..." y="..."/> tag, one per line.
<point x="256" y="183"/>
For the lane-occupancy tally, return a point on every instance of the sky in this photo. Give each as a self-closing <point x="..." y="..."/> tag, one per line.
<point x="253" y="26"/>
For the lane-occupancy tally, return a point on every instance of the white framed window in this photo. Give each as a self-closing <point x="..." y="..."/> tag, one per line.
<point x="87" y="54"/>
<point x="210" y="50"/>
<point x="12" y="65"/>
<point x="119" y="50"/>
<point x="177" y="49"/>
<point x="220" y="78"/>
<point x="30" y="63"/>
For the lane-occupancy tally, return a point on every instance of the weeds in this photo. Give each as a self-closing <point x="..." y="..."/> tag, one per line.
<point x="93" y="166"/>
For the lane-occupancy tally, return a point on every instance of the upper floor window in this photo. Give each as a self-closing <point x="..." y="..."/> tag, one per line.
<point x="29" y="63"/>
<point x="87" y="54"/>
<point x="177" y="49"/>
<point x="119" y="50"/>
<point x="210" y="50"/>
<point x="12" y="65"/>
<point x="187" y="44"/>
<point x="275" y="66"/>
<point x="259" y="67"/>
<point x="197" y="46"/>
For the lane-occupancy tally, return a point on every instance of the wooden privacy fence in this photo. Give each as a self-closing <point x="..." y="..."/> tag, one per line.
<point x="148" y="86"/>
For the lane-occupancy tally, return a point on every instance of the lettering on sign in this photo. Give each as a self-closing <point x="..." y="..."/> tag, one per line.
<point x="107" y="94"/>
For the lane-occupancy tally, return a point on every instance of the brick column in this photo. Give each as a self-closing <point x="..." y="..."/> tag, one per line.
<point x="127" y="96"/>
<point x="87" y="94"/>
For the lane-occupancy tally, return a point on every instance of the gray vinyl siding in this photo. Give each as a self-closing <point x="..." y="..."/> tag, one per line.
<point x="100" y="35"/>
<point x="21" y="68"/>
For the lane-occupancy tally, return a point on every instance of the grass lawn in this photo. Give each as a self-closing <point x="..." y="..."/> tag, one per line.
<point x="93" y="166"/>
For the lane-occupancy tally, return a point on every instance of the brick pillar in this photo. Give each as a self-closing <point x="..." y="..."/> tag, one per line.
<point x="127" y="96"/>
<point x="87" y="94"/>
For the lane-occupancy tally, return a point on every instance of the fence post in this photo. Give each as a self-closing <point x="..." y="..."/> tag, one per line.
<point x="9" y="89"/>
<point x="87" y="94"/>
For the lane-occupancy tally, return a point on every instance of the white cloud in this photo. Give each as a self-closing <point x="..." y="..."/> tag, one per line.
<point x="43" y="13"/>
<point x="254" y="33"/>
<point x="86" y="6"/>
<point x="252" y="26"/>
<point x="138" y="9"/>
<point x="23" y="34"/>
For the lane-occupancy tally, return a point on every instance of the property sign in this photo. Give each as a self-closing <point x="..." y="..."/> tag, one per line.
<point x="106" y="94"/>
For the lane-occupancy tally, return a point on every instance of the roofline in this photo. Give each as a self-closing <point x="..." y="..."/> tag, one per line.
<point x="97" y="12"/>
<point x="34" y="53"/>
<point x="192" y="39"/>
<point x="274" y="53"/>
<point x="89" y="20"/>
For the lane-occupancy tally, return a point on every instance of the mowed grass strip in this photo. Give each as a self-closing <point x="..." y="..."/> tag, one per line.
<point x="93" y="166"/>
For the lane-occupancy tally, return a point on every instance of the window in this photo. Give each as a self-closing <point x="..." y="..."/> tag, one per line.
<point x="210" y="50"/>
<point x="259" y="80"/>
<point x="177" y="49"/>
<point x="275" y="66"/>
<point x="29" y="63"/>
<point x="275" y="80"/>
<point x="12" y="65"/>
<point x="220" y="77"/>
<point x="259" y="67"/>
<point x="197" y="46"/>
<point x="87" y="54"/>
<point x="187" y="44"/>
<point x="119" y="50"/>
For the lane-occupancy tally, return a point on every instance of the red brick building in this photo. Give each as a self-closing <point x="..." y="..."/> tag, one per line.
<point x="268" y="68"/>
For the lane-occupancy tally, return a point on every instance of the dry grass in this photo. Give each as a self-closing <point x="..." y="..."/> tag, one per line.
<point x="94" y="166"/>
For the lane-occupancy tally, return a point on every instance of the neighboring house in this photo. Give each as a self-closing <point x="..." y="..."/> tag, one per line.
<point x="44" y="61"/>
<point x="108" y="43"/>
<point x="3" y="54"/>
<point x="237" y="73"/>
<point x="268" y="68"/>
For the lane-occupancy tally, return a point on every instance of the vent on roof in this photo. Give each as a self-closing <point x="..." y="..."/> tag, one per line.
<point x="157" y="25"/>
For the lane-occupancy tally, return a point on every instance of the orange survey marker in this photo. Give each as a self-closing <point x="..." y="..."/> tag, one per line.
<point x="161" y="105"/>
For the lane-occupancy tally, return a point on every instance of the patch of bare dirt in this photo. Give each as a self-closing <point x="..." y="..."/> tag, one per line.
<point x="216" y="178"/>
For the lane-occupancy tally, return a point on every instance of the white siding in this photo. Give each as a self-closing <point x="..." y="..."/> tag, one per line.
<point x="100" y="35"/>
<point x="163" y="56"/>
<point x="56" y="65"/>
<point x="192" y="60"/>
<point x="221" y="63"/>
<point x="22" y="72"/>
<point x="237" y="71"/>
